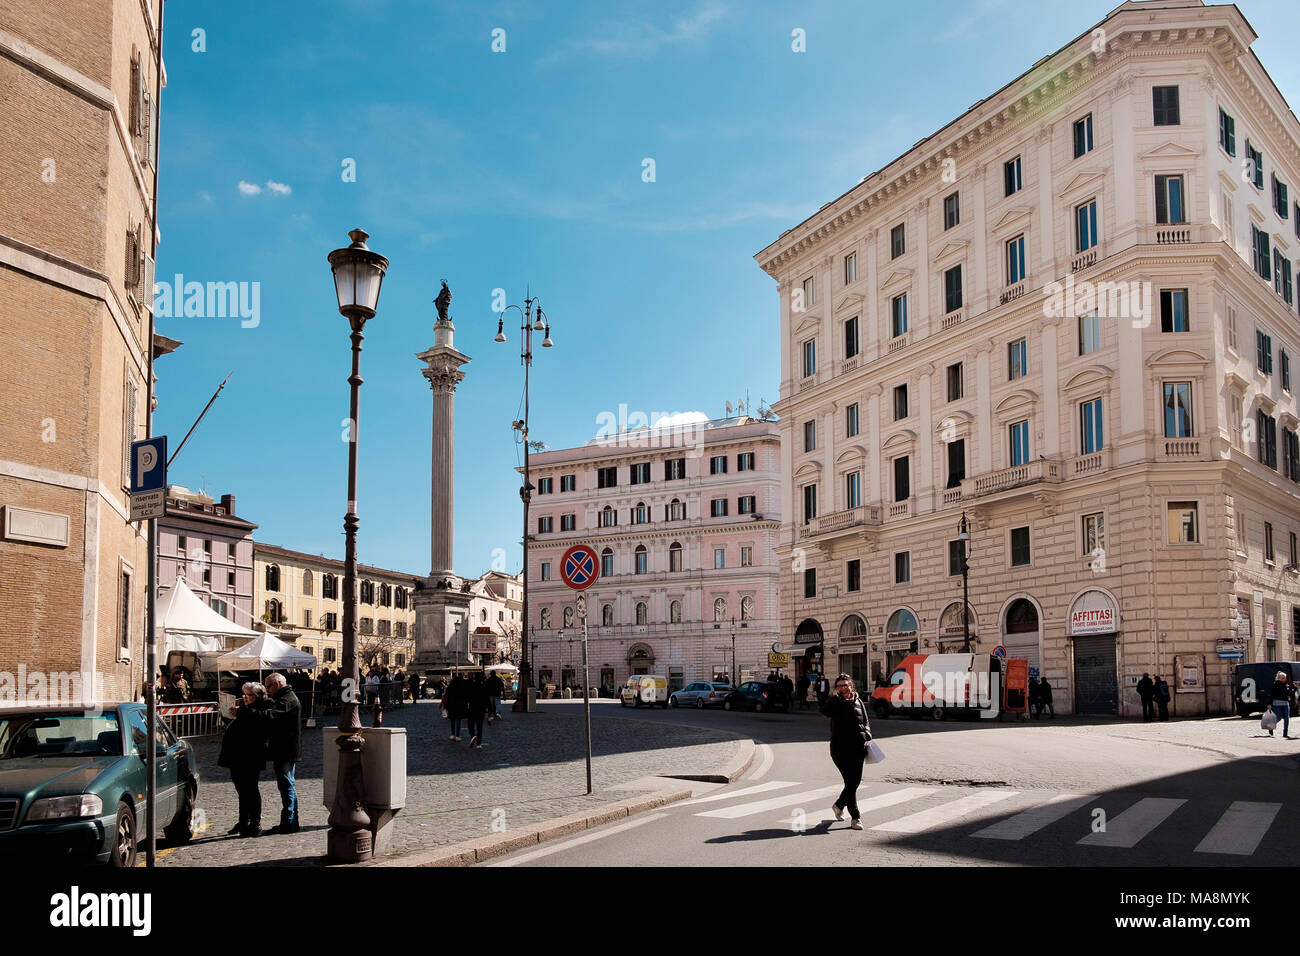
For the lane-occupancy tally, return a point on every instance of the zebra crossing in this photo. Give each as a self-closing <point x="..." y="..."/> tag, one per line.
<point x="1009" y="815"/>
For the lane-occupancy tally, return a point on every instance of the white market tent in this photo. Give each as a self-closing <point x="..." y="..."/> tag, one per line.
<point x="503" y="668"/>
<point x="186" y="623"/>
<point x="268" y="652"/>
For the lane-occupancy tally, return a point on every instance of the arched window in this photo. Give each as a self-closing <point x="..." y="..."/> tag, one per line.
<point x="274" y="612"/>
<point x="676" y="510"/>
<point x="642" y="559"/>
<point x="719" y="609"/>
<point x="367" y="592"/>
<point x="901" y="621"/>
<point x="900" y="637"/>
<point x="747" y="608"/>
<point x="1022" y="617"/>
<point x="568" y="616"/>
<point x="545" y="618"/>
<point x="640" y="514"/>
<point x="386" y="595"/>
<point x="329" y="586"/>
<point x="607" y="563"/>
<point x="399" y="598"/>
<point x="853" y="628"/>
<point x="273" y="577"/>
<point x="608" y="517"/>
<point x="640" y="612"/>
<point x="307" y="584"/>
<point x="675" y="612"/>
<point x="607" y="615"/>
<point x="675" y="557"/>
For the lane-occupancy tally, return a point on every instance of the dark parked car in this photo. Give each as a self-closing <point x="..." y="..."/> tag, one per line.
<point x="71" y="782"/>
<point x="757" y="696"/>
<point x="1254" y="683"/>
<point x="702" y="693"/>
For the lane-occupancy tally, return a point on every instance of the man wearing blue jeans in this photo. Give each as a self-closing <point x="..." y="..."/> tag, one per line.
<point x="284" y="747"/>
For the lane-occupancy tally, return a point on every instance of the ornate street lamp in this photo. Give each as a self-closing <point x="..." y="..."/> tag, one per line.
<point x="358" y="274"/>
<point x="533" y="319"/>
<point x="963" y="535"/>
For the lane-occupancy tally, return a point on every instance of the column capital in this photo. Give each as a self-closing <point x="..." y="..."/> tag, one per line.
<point x="443" y="378"/>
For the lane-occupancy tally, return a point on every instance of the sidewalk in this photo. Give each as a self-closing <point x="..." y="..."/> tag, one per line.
<point x="532" y="771"/>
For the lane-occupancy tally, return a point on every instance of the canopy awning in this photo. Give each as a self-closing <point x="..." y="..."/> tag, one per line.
<point x="188" y="624"/>
<point x="268" y="652"/>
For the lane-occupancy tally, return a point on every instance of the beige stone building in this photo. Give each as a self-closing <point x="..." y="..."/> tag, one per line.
<point x="78" y="170"/>
<point x="1069" y="315"/>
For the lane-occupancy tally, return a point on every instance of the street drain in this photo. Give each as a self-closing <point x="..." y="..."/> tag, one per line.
<point x="949" y="783"/>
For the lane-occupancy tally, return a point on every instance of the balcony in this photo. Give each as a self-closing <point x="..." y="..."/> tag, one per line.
<point x="951" y="320"/>
<point x="1012" y="292"/>
<point x="807" y="383"/>
<point x="1095" y="463"/>
<point x="849" y="364"/>
<point x="902" y="509"/>
<point x="1175" y="234"/>
<point x="952" y="496"/>
<point x="1179" y="449"/>
<point x="841" y="522"/>
<point x="1035" y="472"/>
<point x="900" y="342"/>
<point x="1083" y="260"/>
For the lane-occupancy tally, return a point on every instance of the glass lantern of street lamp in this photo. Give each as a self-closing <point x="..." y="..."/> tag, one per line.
<point x="963" y="529"/>
<point x="501" y="334"/>
<point x="546" y="342"/>
<point x="358" y="275"/>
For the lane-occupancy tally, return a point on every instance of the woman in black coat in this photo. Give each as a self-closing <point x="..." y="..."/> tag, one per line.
<point x="850" y="732"/>
<point x="455" y="701"/>
<point x="243" y="752"/>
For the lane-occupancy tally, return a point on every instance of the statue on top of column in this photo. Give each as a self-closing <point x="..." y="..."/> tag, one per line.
<point x="443" y="302"/>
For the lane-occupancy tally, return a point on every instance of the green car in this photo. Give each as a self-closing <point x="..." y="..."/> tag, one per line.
<point x="72" y="783"/>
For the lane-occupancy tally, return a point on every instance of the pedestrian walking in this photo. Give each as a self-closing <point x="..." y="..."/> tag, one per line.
<point x="1034" y="699"/>
<point x="455" y="702"/>
<point x="803" y="691"/>
<point x="478" y="705"/>
<point x="284" y="747"/>
<point x="1045" y="698"/>
<point x="243" y="753"/>
<point x="414" y="681"/>
<point x="850" y="733"/>
<point x="1162" y="697"/>
<point x="1280" y="702"/>
<point x="496" y="689"/>
<point x="787" y="685"/>
<point x="823" y="690"/>
<point x="1146" y="689"/>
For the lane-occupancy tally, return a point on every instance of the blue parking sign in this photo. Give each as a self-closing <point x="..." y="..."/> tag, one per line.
<point x="149" y="464"/>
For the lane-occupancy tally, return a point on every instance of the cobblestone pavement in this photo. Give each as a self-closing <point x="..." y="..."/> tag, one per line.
<point x="531" y="770"/>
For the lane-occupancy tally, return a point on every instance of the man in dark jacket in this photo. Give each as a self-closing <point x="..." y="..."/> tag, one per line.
<point x="1162" y="697"/>
<point x="284" y="747"/>
<point x="478" y="704"/>
<point x="1045" y="698"/>
<point x="1147" y="691"/>
<point x="850" y="733"/>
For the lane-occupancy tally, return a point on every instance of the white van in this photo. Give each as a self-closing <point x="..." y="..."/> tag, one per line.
<point x="648" y="689"/>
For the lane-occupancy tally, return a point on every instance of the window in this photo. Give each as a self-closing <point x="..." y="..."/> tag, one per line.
<point x="386" y="595"/>
<point x="124" y="611"/>
<point x="180" y="544"/>
<point x="956" y="463"/>
<point x="851" y="268"/>
<point x="545" y="486"/>
<point x="745" y="461"/>
<point x="640" y="612"/>
<point x="1018" y="437"/>
<point x="853" y="578"/>
<point x="718" y="508"/>
<point x="897" y="240"/>
<point x="674" y="469"/>
<point x="898" y="315"/>
<point x="568" y="522"/>
<point x="900" y="402"/>
<point x="639" y="474"/>
<point x="606" y="477"/>
<point x="607" y="563"/>
<point x="1236" y="419"/>
<point x="1011" y="175"/>
<point x="641" y="559"/>
<point x="902" y="478"/>
<point x="230" y="580"/>
<point x="1264" y="352"/>
<point x="330" y="652"/>
<point x="810" y="583"/>
<point x="951" y="211"/>
<point x="809" y="358"/>
<point x="851" y="425"/>
<point x="809" y="503"/>
<point x="1169" y="200"/>
<point x="1259" y="252"/>
<point x="1019" y="547"/>
<point x="1017" y="268"/>
<point x="1280" y="205"/>
<point x="1091" y="434"/>
<point x="222" y="608"/>
<point x="955" y="558"/>
<point x="1083" y="136"/>
<point x="1291" y="455"/>
<point x="902" y="567"/>
<point x="1286" y="371"/>
<point x="1254" y="165"/>
<point x="608" y="517"/>
<point x="956" y="382"/>
<point x="1268" y="542"/>
<point x="1232" y="328"/>
<point x="385" y="628"/>
<point x="1226" y="218"/>
<point x="544" y="525"/>
<point x="640" y="514"/>
<point x="675" y="612"/>
<point x="367" y="625"/>
<point x="719" y="558"/>
<point x="745" y="505"/>
<point x="307" y="583"/>
<point x="544" y="618"/>
<point x="367" y="592"/>
<point x="1089" y="333"/>
<point x="607" y="615"/>
<point x="568" y="482"/>
<point x="1266" y="426"/>
<point x="1017" y="359"/>
<point x="952" y="289"/>
<point x="1293" y="549"/>
<point x="1173" y="310"/>
<point x="853" y="489"/>
<point x="809" y="291"/>
<point x="809" y="436"/>
<point x="568" y="617"/>
<point x="1282" y="275"/>
<point x="675" y="557"/>
<point x="1227" y="133"/>
<point x="546" y="570"/>
<point x="1178" y="409"/>
<point x="851" y="337"/>
<point x="1085" y="226"/>
<point x="718" y="465"/>
<point x="747" y="608"/>
<point x="1094" y="532"/>
<point x="676" y="510"/>
<point x="1164" y="105"/>
<point x="746" y="556"/>
<point x="329" y="586"/>
<point x="272" y="577"/>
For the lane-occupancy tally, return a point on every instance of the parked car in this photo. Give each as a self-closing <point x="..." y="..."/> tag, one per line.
<point x="648" y="689"/>
<point x="700" y="694"/>
<point x="1254" y="683"/>
<point x="757" y="696"/>
<point x="71" y="783"/>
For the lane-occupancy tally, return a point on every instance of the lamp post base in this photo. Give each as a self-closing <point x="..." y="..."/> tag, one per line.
<point x="349" y="839"/>
<point x="345" y="846"/>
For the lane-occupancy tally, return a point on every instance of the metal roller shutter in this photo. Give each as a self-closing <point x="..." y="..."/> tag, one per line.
<point x="1095" y="679"/>
<point x="1026" y="646"/>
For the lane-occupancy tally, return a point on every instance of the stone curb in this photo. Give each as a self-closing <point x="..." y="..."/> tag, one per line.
<point x="729" y="774"/>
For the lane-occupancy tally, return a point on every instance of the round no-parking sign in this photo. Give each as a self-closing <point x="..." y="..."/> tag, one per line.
<point x="579" y="567"/>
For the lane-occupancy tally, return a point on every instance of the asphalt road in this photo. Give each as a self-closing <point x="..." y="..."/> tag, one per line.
<point x="1074" y="792"/>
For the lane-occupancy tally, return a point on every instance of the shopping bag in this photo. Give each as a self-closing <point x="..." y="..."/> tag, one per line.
<point x="873" y="753"/>
<point x="1269" y="720"/>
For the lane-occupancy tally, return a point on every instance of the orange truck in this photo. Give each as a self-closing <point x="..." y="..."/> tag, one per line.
<point x="942" y="685"/>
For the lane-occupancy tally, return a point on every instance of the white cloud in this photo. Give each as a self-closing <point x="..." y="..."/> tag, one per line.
<point x="638" y="39"/>
<point x="249" y="189"/>
<point x="280" y="189"/>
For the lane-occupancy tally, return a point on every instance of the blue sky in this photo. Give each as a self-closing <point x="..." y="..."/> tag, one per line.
<point x="504" y="170"/>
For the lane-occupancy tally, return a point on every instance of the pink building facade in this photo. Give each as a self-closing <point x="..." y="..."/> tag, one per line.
<point x="686" y="520"/>
<point x="204" y="542"/>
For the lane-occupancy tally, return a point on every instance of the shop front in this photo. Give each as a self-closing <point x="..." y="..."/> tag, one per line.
<point x="807" y="655"/>
<point x="853" y="650"/>
<point x="901" y="638"/>
<point x="1022" y="632"/>
<point x="1093" y="622"/>
<point x="952" y="630"/>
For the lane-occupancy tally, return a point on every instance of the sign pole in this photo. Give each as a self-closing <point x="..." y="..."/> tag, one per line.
<point x="586" y="685"/>
<point x="579" y="569"/>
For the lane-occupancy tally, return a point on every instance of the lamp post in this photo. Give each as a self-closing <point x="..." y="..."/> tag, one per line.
<point x="733" y="652"/>
<point x="529" y="324"/>
<point x="358" y="275"/>
<point x="963" y="535"/>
